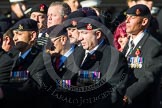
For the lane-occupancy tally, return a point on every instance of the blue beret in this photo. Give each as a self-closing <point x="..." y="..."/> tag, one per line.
<point x="90" y="23"/>
<point x="42" y="8"/>
<point x="139" y="10"/>
<point x="26" y="24"/>
<point x="56" y="31"/>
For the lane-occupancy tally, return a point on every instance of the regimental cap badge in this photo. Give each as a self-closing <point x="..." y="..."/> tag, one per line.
<point x="89" y="27"/>
<point x="138" y="12"/>
<point x="41" y="7"/>
<point x="20" y="27"/>
<point x="74" y="23"/>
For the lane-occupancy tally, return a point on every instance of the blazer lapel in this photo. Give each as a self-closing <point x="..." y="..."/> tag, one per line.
<point x="71" y="67"/>
<point x="1" y="52"/>
<point x="79" y="55"/>
<point x="139" y="45"/>
<point x="93" y="61"/>
<point x="125" y="48"/>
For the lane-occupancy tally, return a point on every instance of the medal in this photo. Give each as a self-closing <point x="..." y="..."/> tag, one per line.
<point x="85" y="76"/>
<point x="19" y="75"/>
<point x="136" y="62"/>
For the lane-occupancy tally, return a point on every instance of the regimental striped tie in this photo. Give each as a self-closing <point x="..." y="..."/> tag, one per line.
<point x="57" y="62"/>
<point x="130" y="49"/>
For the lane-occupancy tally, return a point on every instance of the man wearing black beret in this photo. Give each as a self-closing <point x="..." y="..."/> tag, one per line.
<point x="71" y="25"/>
<point x="144" y="55"/>
<point x="22" y="90"/>
<point x="39" y="14"/>
<point x="59" y="62"/>
<point x="97" y="61"/>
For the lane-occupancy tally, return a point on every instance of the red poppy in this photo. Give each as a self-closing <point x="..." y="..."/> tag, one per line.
<point x="138" y="52"/>
<point x="93" y="57"/>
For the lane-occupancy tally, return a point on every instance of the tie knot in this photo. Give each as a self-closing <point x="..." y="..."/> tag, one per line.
<point x="131" y="43"/>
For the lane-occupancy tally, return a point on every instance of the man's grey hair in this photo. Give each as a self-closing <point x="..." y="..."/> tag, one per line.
<point x="66" y="10"/>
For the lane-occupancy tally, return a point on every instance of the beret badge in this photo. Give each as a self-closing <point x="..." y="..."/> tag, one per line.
<point x="20" y="27"/>
<point x="41" y="7"/>
<point x="74" y="23"/>
<point x="89" y="27"/>
<point x="138" y="12"/>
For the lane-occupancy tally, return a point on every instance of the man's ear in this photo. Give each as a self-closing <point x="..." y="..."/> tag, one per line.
<point x="63" y="40"/>
<point x="98" y="34"/>
<point x="145" y="21"/>
<point x="8" y="40"/>
<point x="33" y="35"/>
<point x="64" y="17"/>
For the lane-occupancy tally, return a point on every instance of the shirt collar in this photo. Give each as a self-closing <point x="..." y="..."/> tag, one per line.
<point x="94" y="49"/>
<point x="137" y="38"/>
<point x="69" y="51"/>
<point x="24" y="54"/>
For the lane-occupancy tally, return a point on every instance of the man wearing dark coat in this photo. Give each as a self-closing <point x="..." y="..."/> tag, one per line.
<point x="22" y="89"/>
<point x="144" y="55"/>
<point x="99" y="63"/>
<point x="5" y="64"/>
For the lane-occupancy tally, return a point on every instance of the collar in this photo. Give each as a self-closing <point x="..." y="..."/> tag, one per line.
<point x="95" y="48"/>
<point x="137" y="38"/>
<point x="69" y="51"/>
<point x="66" y="55"/>
<point x="24" y="54"/>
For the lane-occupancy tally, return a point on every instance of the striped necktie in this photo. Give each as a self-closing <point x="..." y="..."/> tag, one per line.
<point x="131" y="46"/>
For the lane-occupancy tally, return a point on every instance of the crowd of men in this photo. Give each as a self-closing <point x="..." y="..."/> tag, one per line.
<point x="62" y="55"/>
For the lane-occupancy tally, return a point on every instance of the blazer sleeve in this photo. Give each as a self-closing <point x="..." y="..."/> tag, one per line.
<point x="5" y="67"/>
<point x="119" y="79"/>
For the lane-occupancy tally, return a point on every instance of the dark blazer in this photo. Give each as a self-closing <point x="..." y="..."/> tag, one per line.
<point x="113" y="67"/>
<point x="13" y="53"/>
<point x="49" y="80"/>
<point x="5" y="66"/>
<point x="143" y="89"/>
<point x="108" y="92"/>
<point x="26" y="93"/>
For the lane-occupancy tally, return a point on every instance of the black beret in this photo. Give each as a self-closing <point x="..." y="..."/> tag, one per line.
<point x="90" y="23"/>
<point x="26" y="24"/>
<point x="73" y="18"/>
<point x="88" y="11"/>
<point x="40" y="8"/>
<point x="139" y="10"/>
<point x="56" y="31"/>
